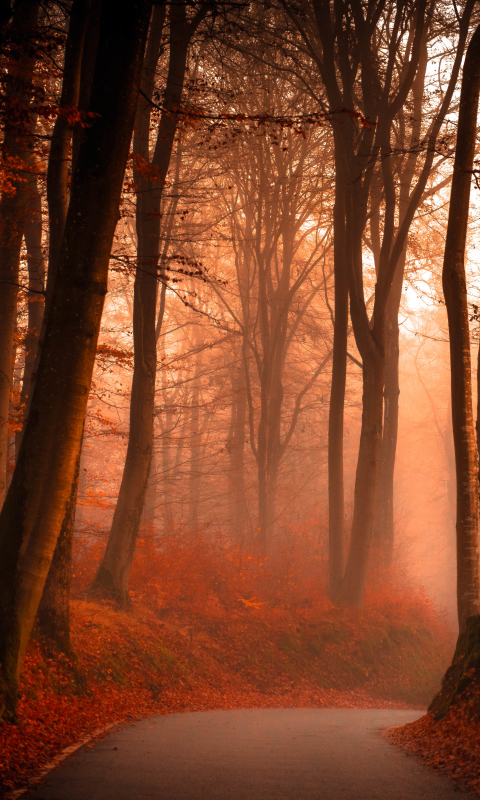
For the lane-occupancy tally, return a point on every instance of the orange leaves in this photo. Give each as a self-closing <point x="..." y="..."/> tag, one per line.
<point x="149" y="172"/>
<point x="95" y="499"/>
<point x="72" y="114"/>
<point x="143" y="662"/>
<point x="250" y="603"/>
<point x="451" y="745"/>
<point x="109" y="355"/>
<point x="174" y="656"/>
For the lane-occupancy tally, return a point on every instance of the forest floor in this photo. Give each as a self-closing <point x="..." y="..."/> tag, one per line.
<point x="213" y="628"/>
<point x="450" y="745"/>
<point x="161" y="659"/>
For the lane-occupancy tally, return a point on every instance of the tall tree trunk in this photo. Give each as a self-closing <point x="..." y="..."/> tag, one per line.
<point x="5" y="15"/>
<point x="59" y="157"/>
<point x="35" y="298"/>
<point x="384" y="515"/>
<point x="87" y="68"/>
<point x="167" y="422"/>
<point x="114" y="570"/>
<point x="53" y="616"/>
<point x="167" y="481"/>
<point x="17" y="144"/>
<point x="267" y="490"/>
<point x="384" y="512"/>
<point x="455" y="292"/>
<point x="370" y="342"/>
<point x="336" y="511"/>
<point x="352" y="591"/>
<point x="34" y="510"/>
<point x="195" y="437"/>
<point x="236" y="450"/>
<point x="149" y="511"/>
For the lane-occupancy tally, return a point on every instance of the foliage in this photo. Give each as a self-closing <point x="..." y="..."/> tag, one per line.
<point x="162" y="660"/>
<point x="450" y="745"/>
<point x="448" y="737"/>
<point x="270" y="618"/>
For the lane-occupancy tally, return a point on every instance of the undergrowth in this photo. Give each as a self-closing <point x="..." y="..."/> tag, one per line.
<point x="212" y="627"/>
<point x="269" y="619"/>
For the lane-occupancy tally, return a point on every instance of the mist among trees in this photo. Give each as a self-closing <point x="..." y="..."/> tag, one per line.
<point x="238" y="316"/>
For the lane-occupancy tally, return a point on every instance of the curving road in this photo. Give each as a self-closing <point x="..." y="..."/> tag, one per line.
<point x="266" y="754"/>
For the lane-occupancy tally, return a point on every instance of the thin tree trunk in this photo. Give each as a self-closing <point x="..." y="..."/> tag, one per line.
<point x="5" y="15"/>
<point x="336" y="511"/>
<point x="17" y="144"/>
<point x="89" y="55"/>
<point x="34" y="510"/>
<point x="114" y="570"/>
<point x="455" y="292"/>
<point x="352" y="591"/>
<point x="53" y="616"/>
<point x="195" y="436"/>
<point x="57" y="182"/>
<point x="150" y="505"/>
<point x="167" y="481"/>
<point x="59" y="157"/>
<point x="384" y="514"/>
<point x="385" y="523"/>
<point x="236" y="451"/>
<point x="477" y="423"/>
<point x="35" y="299"/>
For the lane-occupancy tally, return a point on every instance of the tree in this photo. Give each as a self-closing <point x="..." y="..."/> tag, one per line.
<point x="455" y="292"/>
<point x="53" y="618"/>
<point x="16" y="198"/>
<point x="40" y="491"/>
<point x="278" y="251"/>
<point x="150" y="176"/>
<point x="346" y="43"/>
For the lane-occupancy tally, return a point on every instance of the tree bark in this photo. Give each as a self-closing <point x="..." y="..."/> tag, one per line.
<point x="384" y="513"/>
<point x="34" y="510"/>
<point x="114" y="570"/>
<point x="59" y="157"/>
<point x="195" y="438"/>
<point x="236" y="452"/>
<point x="352" y="591"/>
<point x="17" y="144"/>
<point x="336" y="512"/>
<point x="455" y="292"/>
<point x="35" y="299"/>
<point x="53" y="616"/>
<point x="89" y="55"/>
<point x="149" y="511"/>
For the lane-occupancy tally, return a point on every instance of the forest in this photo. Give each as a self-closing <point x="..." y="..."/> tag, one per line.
<point x="239" y="366"/>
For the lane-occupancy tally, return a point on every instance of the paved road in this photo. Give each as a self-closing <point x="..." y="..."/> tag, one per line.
<point x="270" y="754"/>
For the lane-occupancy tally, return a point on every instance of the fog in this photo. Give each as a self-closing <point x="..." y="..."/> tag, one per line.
<point x="227" y="252"/>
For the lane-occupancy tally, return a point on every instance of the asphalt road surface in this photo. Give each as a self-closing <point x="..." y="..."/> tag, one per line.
<point x="267" y="754"/>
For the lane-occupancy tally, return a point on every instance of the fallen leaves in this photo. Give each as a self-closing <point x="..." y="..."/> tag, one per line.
<point x="162" y="660"/>
<point x="450" y="745"/>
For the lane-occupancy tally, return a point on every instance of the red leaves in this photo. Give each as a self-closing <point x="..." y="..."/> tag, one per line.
<point x="214" y="628"/>
<point x="451" y="745"/>
<point x="154" y="662"/>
